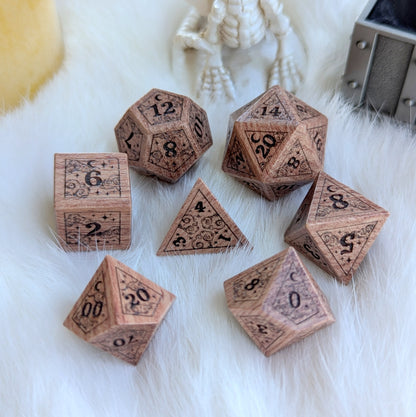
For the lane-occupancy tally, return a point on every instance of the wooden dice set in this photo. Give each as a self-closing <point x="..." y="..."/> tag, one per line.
<point x="275" y="144"/>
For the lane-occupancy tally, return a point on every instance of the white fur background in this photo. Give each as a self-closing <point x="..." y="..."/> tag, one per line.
<point x="201" y="363"/>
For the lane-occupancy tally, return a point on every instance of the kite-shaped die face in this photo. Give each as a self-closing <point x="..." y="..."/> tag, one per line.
<point x="119" y="311"/>
<point x="163" y="134"/>
<point x="335" y="227"/>
<point x="201" y="226"/>
<point x="275" y="143"/>
<point x="277" y="302"/>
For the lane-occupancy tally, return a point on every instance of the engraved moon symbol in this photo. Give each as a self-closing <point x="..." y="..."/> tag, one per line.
<point x="329" y="189"/>
<point x="97" y="284"/>
<point x="291" y="276"/>
<point x="157" y="97"/>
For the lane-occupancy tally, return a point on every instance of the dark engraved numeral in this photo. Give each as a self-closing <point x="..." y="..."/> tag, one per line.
<point x="169" y="109"/>
<point x="180" y="240"/>
<point x="200" y="208"/>
<point x="198" y="127"/>
<point x="309" y="249"/>
<point x="274" y="112"/>
<point x="318" y="141"/>
<point x="285" y="187"/>
<point x="294" y="299"/>
<point x="141" y="294"/>
<point x="122" y="342"/>
<point x="95" y="231"/>
<point x="228" y="239"/>
<point x="96" y="309"/>
<point x="268" y="142"/>
<point x="349" y="245"/>
<point x="129" y="139"/>
<point x="251" y="285"/>
<point x="262" y="329"/>
<point x="170" y="148"/>
<point x="339" y="202"/>
<point x="293" y="162"/>
<point x="239" y="158"/>
<point x="92" y="178"/>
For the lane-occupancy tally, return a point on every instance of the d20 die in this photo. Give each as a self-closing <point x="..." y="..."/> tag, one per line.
<point x="335" y="227"/>
<point x="277" y="302"/>
<point x="163" y="134"/>
<point x="119" y="311"/>
<point x="93" y="201"/>
<point x="275" y="143"/>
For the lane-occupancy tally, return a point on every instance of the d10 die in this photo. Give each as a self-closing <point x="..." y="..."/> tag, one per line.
<point x="93" y="201"/>
<point x="335" y="227"/>
<point x="277" y="302"/>
<point x="119" y="311"/>
<point x="163" y="134"/>
<point x="275" y="143"/>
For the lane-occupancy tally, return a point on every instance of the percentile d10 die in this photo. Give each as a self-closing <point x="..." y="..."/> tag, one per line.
<point x="92" y="201"/>
<point x="119" y="311"/>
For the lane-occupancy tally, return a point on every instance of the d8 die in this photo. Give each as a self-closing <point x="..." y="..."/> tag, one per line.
<point x="119" y="311"/>
<point x="163" y="134"/>
<point x="277" y="302"/>
<point x="93" y="201"/>
<point x="335" y="227"/>
<point x="275" y="143"/>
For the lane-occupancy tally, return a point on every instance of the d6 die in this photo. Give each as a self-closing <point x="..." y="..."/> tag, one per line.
<point x="335" y="227"/>
<point x="119" y="311"/>
<point x="163" y="134"/>
<point x="93" y="201"/>
<point x="277" y="302"/>
<point x="275" y="143"/>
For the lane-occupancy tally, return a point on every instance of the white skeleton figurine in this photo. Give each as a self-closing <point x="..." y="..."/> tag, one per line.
<point x="237" y="24"/>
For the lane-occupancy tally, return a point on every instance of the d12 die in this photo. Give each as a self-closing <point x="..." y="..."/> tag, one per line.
<point x="335" y="227"/>
<point x="119" y="311"/>
<point x="163" y="134"/>
<point x="277" y="302"/>
<point x="275" y="143"/>
<point x="93" y="201"/>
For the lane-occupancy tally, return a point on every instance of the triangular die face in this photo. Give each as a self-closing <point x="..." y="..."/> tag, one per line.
<point x="270" y="108"/>
<point x="235" y="160"/>
<point x="265" y="144"/>
<point x="263" y="332"/>
<point x="91" y="310"/>
<point x="129" y="138"/>
<point x="335" y="200"/>
<point x="138" y="296"/>
<point x="349" y="244"/>
<point x="202" y="226"/>
<point x="127" y="344"/>
<point x="199" y="125"/>
<point x="295" y="163"/>
<point x="304" y="111"/>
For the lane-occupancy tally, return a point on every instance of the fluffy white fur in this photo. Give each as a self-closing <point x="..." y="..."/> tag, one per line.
<point x="201" y="363"/>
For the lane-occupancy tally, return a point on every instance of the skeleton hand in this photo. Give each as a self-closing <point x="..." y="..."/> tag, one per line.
<point x="285" y="73"/>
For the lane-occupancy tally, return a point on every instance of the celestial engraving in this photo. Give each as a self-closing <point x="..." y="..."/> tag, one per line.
<point x="265" y="144"/>
<point x="318" y="137"/>
<point x="260" y="189"/>
<point x="90" y="229"/>
<point x="236" y="161"/>
<point x="137" y="298"/>
<point x="92" y="310"/>
<point x="347" y="243"/>
<point x="92" y="178"/>
<point x="304" y="111"/>
<point x="295" y="163"/>
<point x="271" y="109"/>
<point x="171" y="150"/>
<point x="282" y="189"/>
<point x="337" y="200"/>
<point x="198" y="122"/>
<point x="296" y="297"/>
<point x="161" y="107"/>
<point x="264" y="332"/>
<point x="130" y="138"/>
<point x="253" y="282"/>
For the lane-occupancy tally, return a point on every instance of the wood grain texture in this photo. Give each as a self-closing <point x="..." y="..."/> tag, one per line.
<point x="201" y="226"/>
<point x="163" y="134"/>
<point x="119" y="311"/>
<point x="335" y="227"/>
<point x="92" y="201"/>
<point x="277" y="302"/>
<point x="275" y="143"/>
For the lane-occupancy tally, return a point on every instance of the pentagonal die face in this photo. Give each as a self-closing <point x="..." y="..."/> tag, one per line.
<point x="164" y="134"/>
<point x="275" y="144"/>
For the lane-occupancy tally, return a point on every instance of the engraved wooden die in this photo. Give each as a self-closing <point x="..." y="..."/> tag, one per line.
<point x="275" y="143"/>
<point x="119" y="311"/>
<point x="92" y="201"/>
<point x="277" y="302"/>
<point x="163" y="134"/>
<point x="335" y="227"/>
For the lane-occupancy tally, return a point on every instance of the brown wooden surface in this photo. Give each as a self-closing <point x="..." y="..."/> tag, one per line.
<point x="277" y="302"/>
<point x="277" y="141"/>
<point x="335" y="227"/>
<point x="163" y="134"/>
<point x="119" y="311"/>
<point x="92" y="201"/>
<point x="201" y="226"/>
